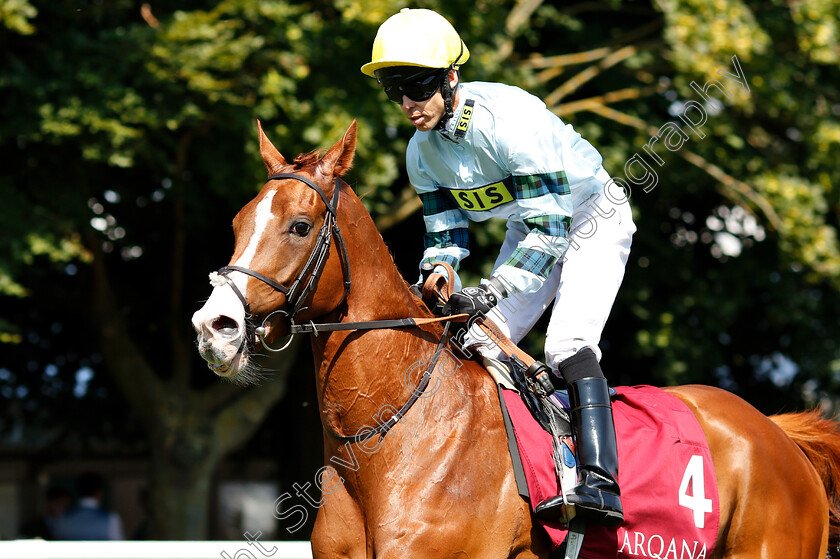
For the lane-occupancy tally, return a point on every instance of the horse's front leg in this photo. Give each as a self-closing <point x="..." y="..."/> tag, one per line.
<point x="339" y="530"/>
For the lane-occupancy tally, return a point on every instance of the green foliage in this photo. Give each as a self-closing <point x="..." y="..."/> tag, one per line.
<point x="817" y="29"/>
<point x="804" y="233"/>
<point x="704" y="34"/>
<point x="711" y="298"/>
<point x="123" y="127"/>
<point x="16" y="15"/>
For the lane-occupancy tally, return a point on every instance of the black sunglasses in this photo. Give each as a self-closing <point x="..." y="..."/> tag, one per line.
<point x="415" y="88"/>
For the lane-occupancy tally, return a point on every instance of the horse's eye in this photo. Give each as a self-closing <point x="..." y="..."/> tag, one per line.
<point x="301" y="229"/>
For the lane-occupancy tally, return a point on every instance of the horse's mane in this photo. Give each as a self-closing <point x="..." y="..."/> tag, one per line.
<point x="307" y="159"/>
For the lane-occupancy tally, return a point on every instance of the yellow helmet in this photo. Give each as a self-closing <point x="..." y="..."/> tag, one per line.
<point x="416" y="38"/>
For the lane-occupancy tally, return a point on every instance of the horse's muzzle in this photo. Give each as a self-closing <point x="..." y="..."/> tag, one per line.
<point x="222" y="332"/>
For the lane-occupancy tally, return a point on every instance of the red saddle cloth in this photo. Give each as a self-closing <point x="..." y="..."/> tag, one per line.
<point x="667" y="478"/>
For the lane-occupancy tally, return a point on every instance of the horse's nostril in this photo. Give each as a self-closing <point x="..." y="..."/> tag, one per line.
<point x="225" y="326"/>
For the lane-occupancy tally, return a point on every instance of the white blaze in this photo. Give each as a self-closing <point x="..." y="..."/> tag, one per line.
<point x="261" y="220"/>
<point x="221" y="348"/>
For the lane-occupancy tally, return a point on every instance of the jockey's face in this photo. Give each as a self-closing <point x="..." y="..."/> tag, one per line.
<point x="425" y="115"/>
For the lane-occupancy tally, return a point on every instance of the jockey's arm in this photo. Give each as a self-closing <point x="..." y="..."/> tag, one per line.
<point x="447" y="235"/>
<point x="531" y="262"/>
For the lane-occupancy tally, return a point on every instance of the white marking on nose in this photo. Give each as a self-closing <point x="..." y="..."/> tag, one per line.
<point x="261" y="220"/>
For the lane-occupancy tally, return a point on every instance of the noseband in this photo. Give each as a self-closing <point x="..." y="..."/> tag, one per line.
<point x="307" y="280"/>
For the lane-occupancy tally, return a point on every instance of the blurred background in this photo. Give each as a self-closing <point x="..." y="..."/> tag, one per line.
<point x="128" y="143"/>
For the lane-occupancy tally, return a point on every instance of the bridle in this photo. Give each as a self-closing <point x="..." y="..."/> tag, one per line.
<point x="307" y="279"/>
<point x="305" y="284"/>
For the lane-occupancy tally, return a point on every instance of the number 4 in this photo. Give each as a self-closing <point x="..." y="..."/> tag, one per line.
<point x="697" y="501"/>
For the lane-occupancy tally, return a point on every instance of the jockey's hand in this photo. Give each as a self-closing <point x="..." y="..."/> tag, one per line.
<point x="454" y="282"/>
<point x="472" y="301"/>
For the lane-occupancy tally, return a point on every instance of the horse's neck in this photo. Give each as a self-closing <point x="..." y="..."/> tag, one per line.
<point x="361" y="372"/>
<point x="379" y="290"/>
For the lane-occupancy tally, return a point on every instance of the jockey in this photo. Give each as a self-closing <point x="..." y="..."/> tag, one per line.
<point x="483" y="150"/>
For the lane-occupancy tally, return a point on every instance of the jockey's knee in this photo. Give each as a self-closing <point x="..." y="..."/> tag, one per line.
<point x="581" y="365"/>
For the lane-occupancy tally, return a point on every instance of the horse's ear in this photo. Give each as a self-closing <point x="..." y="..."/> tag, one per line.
<point x="272" y="158"/>
<point x="339" y="158"/>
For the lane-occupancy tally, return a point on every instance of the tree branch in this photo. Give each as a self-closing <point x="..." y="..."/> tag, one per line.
<point x="562" y="60"/>
<point x="622" y="118"/>
<point x="589" y="73"/>
<point x="216" y="395"/>
<point x="148" y="16"/>
<point x="516" y="21"/>
<point x="727" y="181"/>
<point x="181" y="361"/>
<point x="237" y="421"/>
<point x="734" y="185"/>
<point x="219" y="393"/>
<point x="575" y="9"/>
<point x="596" y="104"/>
<point x="407" y="204"/>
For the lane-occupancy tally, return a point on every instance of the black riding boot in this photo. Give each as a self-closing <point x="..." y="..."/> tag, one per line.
<point x="597" y="495"/>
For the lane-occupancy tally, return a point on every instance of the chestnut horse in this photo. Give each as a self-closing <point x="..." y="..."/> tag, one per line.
<point x="438" y="482"/>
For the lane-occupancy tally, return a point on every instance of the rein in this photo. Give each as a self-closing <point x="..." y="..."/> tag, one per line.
<point x="416" y="393"/>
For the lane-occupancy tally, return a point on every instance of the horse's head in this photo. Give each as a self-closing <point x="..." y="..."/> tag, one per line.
<point x="284" y="239"/>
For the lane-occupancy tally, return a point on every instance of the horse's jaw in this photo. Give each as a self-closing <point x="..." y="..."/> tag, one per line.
<point x="219" y="359"/>
<point x="220" y="326"/>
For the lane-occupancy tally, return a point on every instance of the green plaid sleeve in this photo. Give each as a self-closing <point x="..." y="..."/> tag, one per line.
<point x="453" y="237"/>
<point x="540" y="261"/>
<point x="446" y="229"/>
<point x="458" y="237"/>
<point x="541" y="184"/>
<point x="448" y="258"/>
<point x="532" y="260"/>
<point x="551" y="225"/>
<point x="436" y="202"/>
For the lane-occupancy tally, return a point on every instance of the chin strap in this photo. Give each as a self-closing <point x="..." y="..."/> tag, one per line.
<point x="448" y="93"/>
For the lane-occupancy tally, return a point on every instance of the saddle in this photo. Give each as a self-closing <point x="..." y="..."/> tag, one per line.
<point x="666" y="473"/>
<point x="529" y="380"/>
<point x="551" y="413"/>
<point x="522" y="374"/>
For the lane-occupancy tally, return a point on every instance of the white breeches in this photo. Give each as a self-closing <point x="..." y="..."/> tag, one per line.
<point x="583" y="285"/>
